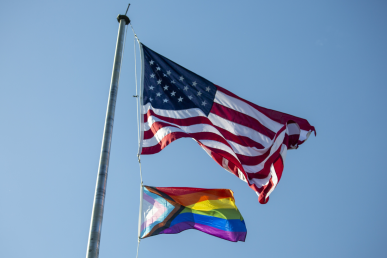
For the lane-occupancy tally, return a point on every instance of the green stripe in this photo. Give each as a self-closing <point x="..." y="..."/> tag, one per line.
<point x="219" y="213"/>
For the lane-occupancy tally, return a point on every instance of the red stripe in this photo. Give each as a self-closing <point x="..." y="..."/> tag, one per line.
<point x="245" y="160"/>
<point x="279" y="167"/>
<point x="181" y="122"/>
<point x="262" y="196"/>
<point x="264" y="172"/>
<point x="197" y="136"/>
<point x="277" y="116"/>
<point x="253" y="160"/>
<point x="242" y="119"/>
<point x="164" y="142"/>
<point x="241" y="140"/>
<point x="197" y="192"/>
<point x="155" y="127"/>
<point x="225" y="155"/>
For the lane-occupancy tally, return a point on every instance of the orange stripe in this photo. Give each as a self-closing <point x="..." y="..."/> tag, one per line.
<point x="208" y="194"/>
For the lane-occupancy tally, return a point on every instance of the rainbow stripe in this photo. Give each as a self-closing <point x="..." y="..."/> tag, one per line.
<point x="171" y="210"/>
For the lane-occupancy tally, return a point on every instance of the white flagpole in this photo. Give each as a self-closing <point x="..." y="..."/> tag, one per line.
<point x="93" y="244"/>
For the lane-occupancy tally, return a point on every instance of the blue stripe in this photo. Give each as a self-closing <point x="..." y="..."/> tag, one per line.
<point x="233" y="225"/>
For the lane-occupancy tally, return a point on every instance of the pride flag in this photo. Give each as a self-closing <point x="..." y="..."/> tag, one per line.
<point x="171" y="210"/>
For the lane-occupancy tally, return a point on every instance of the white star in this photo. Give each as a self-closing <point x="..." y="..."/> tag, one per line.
<point x="164" y="75"/>
<point x="150" y="99"/>
<point x="181" y="78"/>
<point x="199" y="93"/>
<point x="158" y="94"/>
<point x="173" y="93"/>
<point x="180" y="99"/>
<point x="165" y="100"/>
<point x="158" y="68"/>
<point x="190" y="97"/>
<point x="166" y="87"/>
<point x="151" y="87"/>
<point x="194" y="84"/>
<point x="152" y="75"/>
<point x="159" y="82"/>
<point x="173" y="81"/>
<point x="185" y="87"/>
<point x="151" y="62"/>
<point x="204" y="103"/>
<point x="169" y="72"/>
<point x="208" y="89"/>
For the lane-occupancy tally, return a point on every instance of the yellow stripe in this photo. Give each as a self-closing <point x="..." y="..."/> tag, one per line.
<point x="224" y="203"/>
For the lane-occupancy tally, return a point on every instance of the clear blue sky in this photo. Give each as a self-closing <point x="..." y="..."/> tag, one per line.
<point x="325" y="61"/>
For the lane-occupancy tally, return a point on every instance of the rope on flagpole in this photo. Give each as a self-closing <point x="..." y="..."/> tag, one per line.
<point x="138" y="136"/>
<point x="138" y="246"/>
<point x="135" y="76"/>
<point x="137" y="101"/>
<point x="139" y="219"/>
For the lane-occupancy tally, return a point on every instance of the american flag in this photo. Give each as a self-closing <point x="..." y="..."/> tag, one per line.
<point x="247" y="140"/>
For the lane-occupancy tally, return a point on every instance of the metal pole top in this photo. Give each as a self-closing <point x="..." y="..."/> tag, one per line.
<point x="123" y="17"/>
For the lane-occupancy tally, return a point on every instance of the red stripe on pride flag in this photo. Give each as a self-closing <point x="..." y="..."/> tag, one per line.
<point x="188" y="196"/>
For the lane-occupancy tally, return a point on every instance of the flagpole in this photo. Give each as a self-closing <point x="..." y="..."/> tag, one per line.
<point x="93" y="244"/>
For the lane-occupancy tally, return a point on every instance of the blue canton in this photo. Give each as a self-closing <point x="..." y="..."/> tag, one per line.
<point x="170" y="86"/>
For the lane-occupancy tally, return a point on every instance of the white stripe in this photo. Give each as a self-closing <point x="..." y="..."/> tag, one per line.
<point x="274" y="179"/>
<point x="219" y="146"/>
<point x="237" y="148"/>
<point x="260" y="182"/>
<point x="225" y="165"/>
<point x="293" y="128"/>
<point x="164" y="131"/>
<point x="243" y="107"/>
<point x="159" y="136"/>
<point x="241" y="175"/>
<point x="178" y="114"/>
<point x="304" y="135"/>
<point x="195" y="128"/>
<point x="152" y="120"/>
<point x="274" y="148"/>
<point x="238" y="129"/>
<point x="284" y="151"/>
<point x="247" y="151"/>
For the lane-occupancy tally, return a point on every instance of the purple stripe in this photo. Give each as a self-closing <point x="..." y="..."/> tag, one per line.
<point x="227" y="235"/>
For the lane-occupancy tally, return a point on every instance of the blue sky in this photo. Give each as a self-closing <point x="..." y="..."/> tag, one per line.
<point x="325" y="61"/>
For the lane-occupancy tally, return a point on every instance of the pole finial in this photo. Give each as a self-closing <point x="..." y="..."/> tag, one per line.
<point x="123" y="17"/>
<point x="127" y="9"/>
